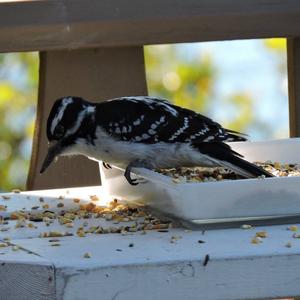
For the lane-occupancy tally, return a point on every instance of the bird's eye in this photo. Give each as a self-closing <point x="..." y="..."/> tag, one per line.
<point x="59" y="131"/>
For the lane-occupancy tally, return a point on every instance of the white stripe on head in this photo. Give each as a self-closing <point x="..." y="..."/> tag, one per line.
<point x="60" y="114"/>
<point x="86" y="110"/>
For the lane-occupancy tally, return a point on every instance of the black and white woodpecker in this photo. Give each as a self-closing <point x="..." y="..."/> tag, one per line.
<point x="143" y="132"/>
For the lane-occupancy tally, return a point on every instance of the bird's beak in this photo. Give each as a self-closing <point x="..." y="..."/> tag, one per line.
<point x="54" y="150"/>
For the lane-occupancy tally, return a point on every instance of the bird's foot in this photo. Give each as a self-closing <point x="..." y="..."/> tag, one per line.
<point x="131" y="181"/>
<point x="106" y="165"/>
<point x="127" y="175"/>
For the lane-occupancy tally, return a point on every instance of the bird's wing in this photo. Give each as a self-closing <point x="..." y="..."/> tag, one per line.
<point x="151" y="120"/>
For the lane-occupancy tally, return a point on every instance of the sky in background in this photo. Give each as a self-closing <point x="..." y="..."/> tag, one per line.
<point x="248" y="66"/>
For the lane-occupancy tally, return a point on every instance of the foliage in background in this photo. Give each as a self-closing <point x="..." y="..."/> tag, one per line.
<point x="191" y="83"/>
<point x="18" y="95"/>
<point x="187" y="81"/>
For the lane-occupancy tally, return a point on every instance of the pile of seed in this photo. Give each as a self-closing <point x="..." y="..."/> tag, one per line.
<point x="280" y="170"/>
<point x="198" y="174"/>
<point x="201" y="174"/>
<point x="123" y="218"/>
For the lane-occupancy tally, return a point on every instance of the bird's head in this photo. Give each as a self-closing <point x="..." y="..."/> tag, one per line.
<point x="68" y="121"/>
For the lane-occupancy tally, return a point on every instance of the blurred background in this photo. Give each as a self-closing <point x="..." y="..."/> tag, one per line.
<point x="240" y="84"/>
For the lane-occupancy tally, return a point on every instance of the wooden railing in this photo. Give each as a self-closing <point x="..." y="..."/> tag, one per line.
<point x="94" y="48"/>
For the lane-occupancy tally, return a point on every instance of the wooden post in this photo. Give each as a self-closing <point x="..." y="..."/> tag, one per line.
<point x="95" y="74"/>
<point x="293" y="56"/>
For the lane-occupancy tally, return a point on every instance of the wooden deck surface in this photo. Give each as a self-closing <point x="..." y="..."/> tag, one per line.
<point x="148" y="266"/>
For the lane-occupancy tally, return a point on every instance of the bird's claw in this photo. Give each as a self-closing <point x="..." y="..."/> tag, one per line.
<point x="134" y="181"/>
<point x="128" y="176"/>
<point x="106" y="165"/>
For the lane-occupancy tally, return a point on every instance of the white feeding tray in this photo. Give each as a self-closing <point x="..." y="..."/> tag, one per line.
<point x="276" y="199"/>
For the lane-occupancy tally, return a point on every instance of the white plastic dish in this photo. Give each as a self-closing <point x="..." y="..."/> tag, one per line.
<point x="222" y="201"/>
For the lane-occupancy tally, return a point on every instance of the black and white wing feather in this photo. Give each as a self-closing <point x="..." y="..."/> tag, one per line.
<point x="151" y="120"/>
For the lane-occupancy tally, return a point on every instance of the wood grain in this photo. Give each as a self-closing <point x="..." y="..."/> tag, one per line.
<point x="24" y="281"/>
<point x="155" y="268"/>
<point x="293" y="51"/>
<point x="70" y="24"/>
<point x="95" y="74"/>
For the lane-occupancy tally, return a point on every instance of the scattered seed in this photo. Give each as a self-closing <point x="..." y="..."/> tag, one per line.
<point x="53" y="234"/>
<point x="116" y="211"/>
<point x="246" y="226"/>
<point x="292" y="228"/>
<point x="20" y="223"/>
<point x="55" y="244"/>
<point x="261" y="234"/>
<point x="87" y="255"/>
<point x="17" y="191"/>
<point x="94" y="198"/>
<point x="108" y="217"/>
<point x="4" y="229"/>
<point x="256" y="240"/>
<point x="176" y="180"/>
<point x="131" y="245"/>
<point x="175" y="238"/>
<point x="201" y="241"/>
<point x="3" y="207"/>
<point x="80" y="233"/>
<point x="69" y="225"/>
<point x="30" y="225"/>
<point x="288" y="245"/>
<point x="54" y="240"/>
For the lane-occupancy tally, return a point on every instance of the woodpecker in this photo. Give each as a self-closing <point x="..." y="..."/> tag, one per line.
<point x="142" y="131"/>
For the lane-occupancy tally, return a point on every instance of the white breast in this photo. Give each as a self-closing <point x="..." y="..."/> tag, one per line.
<point x="158" y="155"/>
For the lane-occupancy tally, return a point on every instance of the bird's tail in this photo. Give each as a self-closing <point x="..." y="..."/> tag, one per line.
<point x="243" y="167"/>
<point x="222" y="154"/>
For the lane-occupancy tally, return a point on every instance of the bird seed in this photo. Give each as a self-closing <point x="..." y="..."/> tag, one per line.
<point x="261" y="234"/>
<point x="292" y="228"/>
<point x="87" y="255"/>
<point x="206" y="174"/>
